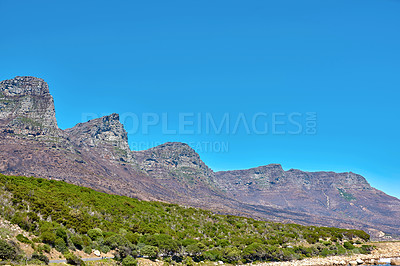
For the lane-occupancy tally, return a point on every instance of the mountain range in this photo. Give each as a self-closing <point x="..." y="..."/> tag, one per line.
<point x="96" y="154"/>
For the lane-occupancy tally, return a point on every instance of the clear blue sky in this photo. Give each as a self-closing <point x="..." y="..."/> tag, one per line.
<point x="340" y="59"/>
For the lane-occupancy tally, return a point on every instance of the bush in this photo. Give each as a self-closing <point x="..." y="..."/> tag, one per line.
<point x="23" y="239"/>
<point x="61" y="233"/>
<point x="149" y="251"/>
<point x="48" y="237"/>
<point x="348" y="245"/>
<point x="40" y="257"/>
<point x="253" y="252"/>
<point x="7" y="250"/>
<point x="46" y="248"/>
<point x="232" y="254"/>
<point x="213" y="255"/>
<point x="77" y="241"/>
<point x="60" y="245"/>
<point x="188" y="261"/>
<point x="366" y="249"/>
<point x="129" y="261"/>
<point x="95" y="233"/>
<point x="73" y="259"/>
<point x="87" y="249"/>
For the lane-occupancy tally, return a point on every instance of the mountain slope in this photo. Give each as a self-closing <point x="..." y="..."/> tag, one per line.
<point x="68" y="217"/>
<point x="96" y="154"/>
<point x="328" y="194"/>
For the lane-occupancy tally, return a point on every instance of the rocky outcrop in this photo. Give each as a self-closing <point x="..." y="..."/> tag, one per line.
<point x="106" y="134"/>
<point x="27" y="107"/>
<point x="175" y="160"/>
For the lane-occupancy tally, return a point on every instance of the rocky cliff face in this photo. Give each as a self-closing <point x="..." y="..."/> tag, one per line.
<point x="175" y="160"/>
<point x="328" y="194"/>
<point x="96" y="154"/>
<point x="27" y="107"/>
<point x="106" y="134"/>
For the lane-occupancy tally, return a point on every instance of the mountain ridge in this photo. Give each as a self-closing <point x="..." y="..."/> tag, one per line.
<point x="96" y="154"/>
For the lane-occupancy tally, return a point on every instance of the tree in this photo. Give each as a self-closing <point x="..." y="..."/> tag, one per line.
<point x="7" y="250"/>
<point x="232" y="254"/>
<point x="60" y="245"/>
<point x="129" y="261"/>
<point x="48" y="237"/>
<point x="73" y="259"/>
<point x="255" y="251"/>
<point x="149" y="251"/>
<point x="95" y="233"/>
<point x="349" y="245"/>
<point x="40" y="257"/>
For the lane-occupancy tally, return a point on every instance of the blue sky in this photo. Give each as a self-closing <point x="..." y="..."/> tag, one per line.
<point x="339" y="59"/>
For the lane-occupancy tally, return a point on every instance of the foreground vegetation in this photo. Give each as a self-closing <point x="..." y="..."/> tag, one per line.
<point x="68" y="217"/>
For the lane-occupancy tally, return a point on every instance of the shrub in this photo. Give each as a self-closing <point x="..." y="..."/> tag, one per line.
<point x="213" y="255"/>
<point x="73" y="259"/>
<point x="87" y="249"/>
<point x="348" y="245"/>
<point x="149" y="251"/>
<point x="7" y="250"/>
<point x="129" y="261"/>
<point x="132" y="237"/>
<point x="232" y="254"/>
<point x="188" y="261"/>
<point x="40" y="257"/>
<point x="366" y="249"/>
<point x="46" y="248"/>
<point x="48" y="237"/>
<point x="61" y="233"/>
<point x="77" y="241"/>
<point x="95" y="233"/>
<point x="60" y="245"/>
<point x="21" y="238"/>
<point x="255" y="251"/>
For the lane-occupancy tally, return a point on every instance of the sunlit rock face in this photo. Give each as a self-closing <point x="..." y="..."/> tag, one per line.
<point x="104" y="133"/>
<point x="27" y="107"/>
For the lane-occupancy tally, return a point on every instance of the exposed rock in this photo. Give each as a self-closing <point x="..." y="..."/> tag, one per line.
<point x="175" y="160"/>
<point x="359" y="261"/>
<point x="395" y="262"/>
<point x="105" y="133"/>
<point x="26" y="106"/>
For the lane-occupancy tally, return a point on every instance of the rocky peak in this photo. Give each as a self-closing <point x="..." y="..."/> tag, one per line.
<point x="174" y="154"/>
<point x="174" y="159"/>
<point x="350" y="179"/>
<point x="26" y="106"/>
<point x="22" y="86"/>
<point x="103" y="132"/>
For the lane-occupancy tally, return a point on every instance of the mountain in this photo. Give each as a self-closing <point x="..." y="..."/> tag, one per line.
<point x="328" y="194"/>
<point x="96" y="154"/>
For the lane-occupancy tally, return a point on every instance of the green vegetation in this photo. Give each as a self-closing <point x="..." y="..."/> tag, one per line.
<point x="68" y="217"/>
<point x="26" y="121"/>
<point x="8" y="250"/>
<point x="347" y="196"/>
<point x="23" y="239"/>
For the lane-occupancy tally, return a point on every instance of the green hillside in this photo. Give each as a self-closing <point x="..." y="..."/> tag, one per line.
<point x="68" y="217"/>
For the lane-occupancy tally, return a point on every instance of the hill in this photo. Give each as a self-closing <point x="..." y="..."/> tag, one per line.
<point x="66" y="217"/>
